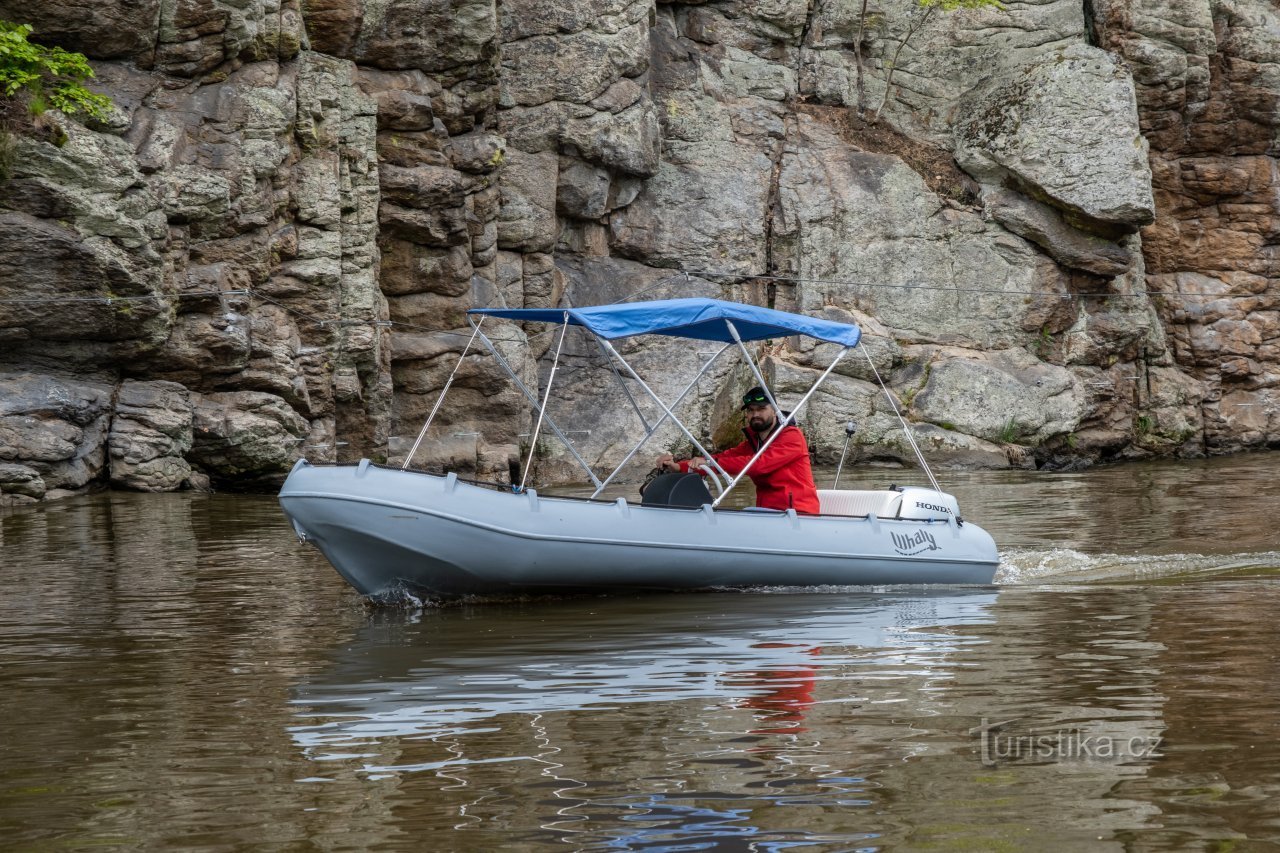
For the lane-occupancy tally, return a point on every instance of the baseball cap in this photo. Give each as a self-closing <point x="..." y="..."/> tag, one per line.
<point x="754" y="397"/>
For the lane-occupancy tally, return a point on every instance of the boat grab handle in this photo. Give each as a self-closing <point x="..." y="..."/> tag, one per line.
<point x="708" y="471"/>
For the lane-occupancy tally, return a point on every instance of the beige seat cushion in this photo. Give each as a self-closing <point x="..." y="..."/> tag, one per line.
<point x="850" y="502"/>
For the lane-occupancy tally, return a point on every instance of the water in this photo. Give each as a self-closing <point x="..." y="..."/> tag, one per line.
<point x="175" y="671"/>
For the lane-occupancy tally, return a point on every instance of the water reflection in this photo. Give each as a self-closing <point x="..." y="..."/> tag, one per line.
<point x="447" y="673"/>
<point x="647" y="721"/>
<point x="720" y="718"/>
<point x="780" y="695"/>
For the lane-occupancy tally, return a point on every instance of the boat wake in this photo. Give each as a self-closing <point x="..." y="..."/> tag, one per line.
<point x="1065" y="565"/>
<point x="1018" y="567"/>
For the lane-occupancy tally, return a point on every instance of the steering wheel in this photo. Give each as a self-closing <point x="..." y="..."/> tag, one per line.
<point x="708" y="471"/>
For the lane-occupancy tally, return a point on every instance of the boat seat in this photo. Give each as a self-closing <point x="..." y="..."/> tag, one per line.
<point x="677" y="490"/>
<point x="884" y="503"/>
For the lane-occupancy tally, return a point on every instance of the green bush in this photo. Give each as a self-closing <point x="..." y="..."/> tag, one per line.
<point x="34" y="77"/>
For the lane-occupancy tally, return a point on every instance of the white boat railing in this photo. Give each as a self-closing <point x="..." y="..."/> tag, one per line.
<point x="651" y="430"/>
<point x="542" y="410"/>
<point x="667" y="411"/>
<point x="533" y="398"/>
<point x="911" y="439"/>
<point x="607" y="348"/>
<point x="782" y="421"/>
<point x="443" y="391"/>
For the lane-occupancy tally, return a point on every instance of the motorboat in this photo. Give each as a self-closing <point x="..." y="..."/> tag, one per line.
<point x="392" y="530"/>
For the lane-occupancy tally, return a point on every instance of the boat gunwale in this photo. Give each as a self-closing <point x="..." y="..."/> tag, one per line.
<point x="543" y="537"/>
<point x="503" y="488"/>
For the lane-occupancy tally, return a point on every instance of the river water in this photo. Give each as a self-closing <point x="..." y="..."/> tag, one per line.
<point x="176" y="671"/>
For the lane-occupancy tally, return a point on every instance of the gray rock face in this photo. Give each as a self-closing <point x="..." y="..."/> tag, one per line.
<point x="1063" y="130"/>
<point x="1008" y="396"/>
<point x="947" y="55"/>
<point x="528" y="218"/>
<point x="79" y="259"/>
<point x="54" y="426"/>
<point x="150" y="435"/>
<point x="19" y="484"/>
<point x="244" y="435"/>
<point x="1047" y="228"/>
<point x="881" y="242"/>
<point x="271" y="244"/>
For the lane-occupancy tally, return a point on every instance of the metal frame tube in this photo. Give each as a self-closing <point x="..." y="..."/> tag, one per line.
<point x="542" y="410"/>
<point x="622" y="384"/>
<point x="751" y="362"/>
<point x="652" y="430"/>
<point x="445" y="390"/>
<point x="906" y="430"/>
<point x="782" y="423"/>
<point x="533" y="398"/>
<point x="666" y="411"/>
<point x="848" y="437"/>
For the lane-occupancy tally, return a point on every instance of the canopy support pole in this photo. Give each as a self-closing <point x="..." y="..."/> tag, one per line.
<point x="651" y="430"/>
<point x="666" y="411"/>
<point x="623" y="385"/>
<point x="781" y="425"/>
<point x="542" y="410"/>
<point x="533" y="398"/>
<point x="911" y="439"/>
<point x="751" y="362"/>
<point x="445" y="390"/>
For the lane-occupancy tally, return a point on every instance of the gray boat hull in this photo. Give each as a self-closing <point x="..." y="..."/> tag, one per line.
<point x="387" y="530"/>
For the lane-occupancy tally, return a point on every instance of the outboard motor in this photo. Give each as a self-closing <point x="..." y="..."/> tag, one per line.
<point x="926" y="503"/>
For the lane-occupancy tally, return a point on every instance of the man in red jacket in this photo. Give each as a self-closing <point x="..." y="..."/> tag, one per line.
<point x="782" y="474"/>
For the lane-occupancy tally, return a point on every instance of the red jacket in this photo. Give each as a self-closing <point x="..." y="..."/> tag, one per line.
<point x="782" y="475"/>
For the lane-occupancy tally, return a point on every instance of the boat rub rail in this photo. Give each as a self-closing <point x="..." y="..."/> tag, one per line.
<point x="506" y="487"/>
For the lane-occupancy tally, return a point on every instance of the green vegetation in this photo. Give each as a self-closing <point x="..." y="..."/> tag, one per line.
<point x="35" y="78"/>
<point x="38" y="77"/>
<point x="922" y="12"/>
<point x="1044" y="343"/>
<point x="8" y="149"/>
<point x="1009" y="433"/>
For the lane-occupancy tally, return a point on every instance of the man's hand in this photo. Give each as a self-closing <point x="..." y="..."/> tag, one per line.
<point x="697" y="462"/>
<point x="667" y="462"/>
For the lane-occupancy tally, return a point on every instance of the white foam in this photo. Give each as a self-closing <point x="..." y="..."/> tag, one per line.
<point x="1066" y="565"/>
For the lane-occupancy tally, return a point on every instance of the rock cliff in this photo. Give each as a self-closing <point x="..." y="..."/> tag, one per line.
<point x="1059" y="237"/>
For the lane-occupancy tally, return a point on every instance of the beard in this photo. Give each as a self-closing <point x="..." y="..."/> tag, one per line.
<point x="760" y="426"/>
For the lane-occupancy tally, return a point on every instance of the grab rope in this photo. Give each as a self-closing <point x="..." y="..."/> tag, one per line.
<point x="555" y="362"/>
<point x="443" y="391"/>
<point x="905" y="429"/>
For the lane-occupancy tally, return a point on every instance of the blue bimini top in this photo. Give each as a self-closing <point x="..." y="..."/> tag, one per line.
<point x="699" y="319"/>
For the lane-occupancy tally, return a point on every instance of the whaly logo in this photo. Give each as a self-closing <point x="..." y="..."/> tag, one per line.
<point x="920" y="541"/>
